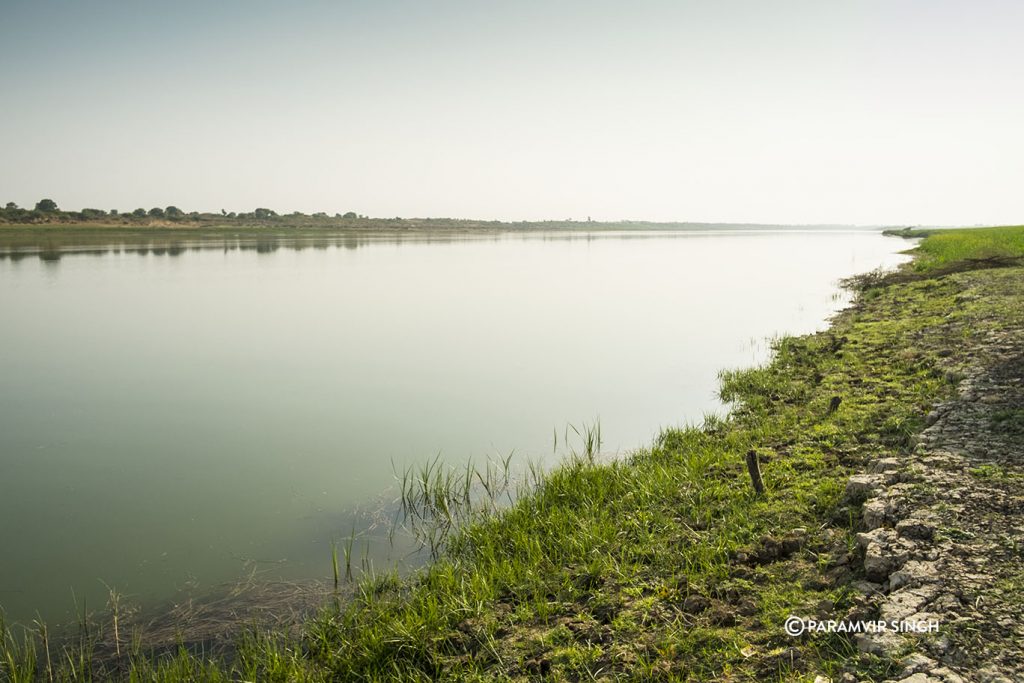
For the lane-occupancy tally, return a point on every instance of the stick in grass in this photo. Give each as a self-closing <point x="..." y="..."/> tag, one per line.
<point x="755" y="472"/>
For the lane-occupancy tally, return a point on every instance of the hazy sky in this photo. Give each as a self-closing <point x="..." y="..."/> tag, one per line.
<point x="844" y="111"/>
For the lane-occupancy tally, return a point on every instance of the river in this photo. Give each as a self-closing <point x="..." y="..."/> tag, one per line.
<point x="171" y="418"/>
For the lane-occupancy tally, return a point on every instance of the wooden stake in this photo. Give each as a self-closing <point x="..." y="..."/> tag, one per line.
<point x="755" y="472"/>
<point x="833" y="405"/>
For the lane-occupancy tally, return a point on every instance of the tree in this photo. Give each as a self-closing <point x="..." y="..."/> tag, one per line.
<point x="156" y="212"/>
<point x="174" y="212"/>
<point x="11" y="206"/>
<point x="350" y="214"/>
<point x="141" y="213"/>
<point x="113" y="212"/>
<point x="264" y="213"/>
<point x="46" y="205"/>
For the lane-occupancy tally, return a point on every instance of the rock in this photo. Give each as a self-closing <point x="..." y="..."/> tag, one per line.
<point x="917" y="529"/>
<point x="877" y="564"/>
<point x="920" y="678"/>
<point x="860" y="487"/>
<point x="990" y="675"/>
<point x="913" y="573"/>
<point x="876" y="513"/>
<point x="917" y="663"/>
<point x="881" y="559"/>
<point x="891" y="478"/>
<point x="908" y="602"/>
<point x="946" y="675"/>
<point x="897" y="580"/>
<point x="879" y="536"/>
<point x="886" y="465"/>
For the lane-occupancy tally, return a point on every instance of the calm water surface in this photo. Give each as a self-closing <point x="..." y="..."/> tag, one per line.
<point x="173" y="419"/>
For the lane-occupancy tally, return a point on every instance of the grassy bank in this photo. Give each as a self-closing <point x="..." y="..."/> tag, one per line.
<point x="944" y="250"/>
<point x="948" y="250"/>
<point x="664" y="565"/>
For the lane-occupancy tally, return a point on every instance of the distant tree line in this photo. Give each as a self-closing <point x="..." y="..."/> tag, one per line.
<point x="47" y="211"/>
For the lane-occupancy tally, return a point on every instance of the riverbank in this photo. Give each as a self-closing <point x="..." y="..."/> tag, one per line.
<point x="667" y="564"/>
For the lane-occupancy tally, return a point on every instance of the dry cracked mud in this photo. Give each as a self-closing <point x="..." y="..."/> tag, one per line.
<point x="944" y="538"/>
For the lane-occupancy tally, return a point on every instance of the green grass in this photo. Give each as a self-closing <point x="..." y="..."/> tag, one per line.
<point x="660" y="565"/>
<point x="943" y="248"/>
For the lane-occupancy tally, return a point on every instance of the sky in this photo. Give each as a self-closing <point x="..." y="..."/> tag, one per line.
<point x="875" y="112"/>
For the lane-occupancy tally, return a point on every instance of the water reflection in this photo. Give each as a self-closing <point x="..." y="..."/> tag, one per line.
<point x="52" y="249"/>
